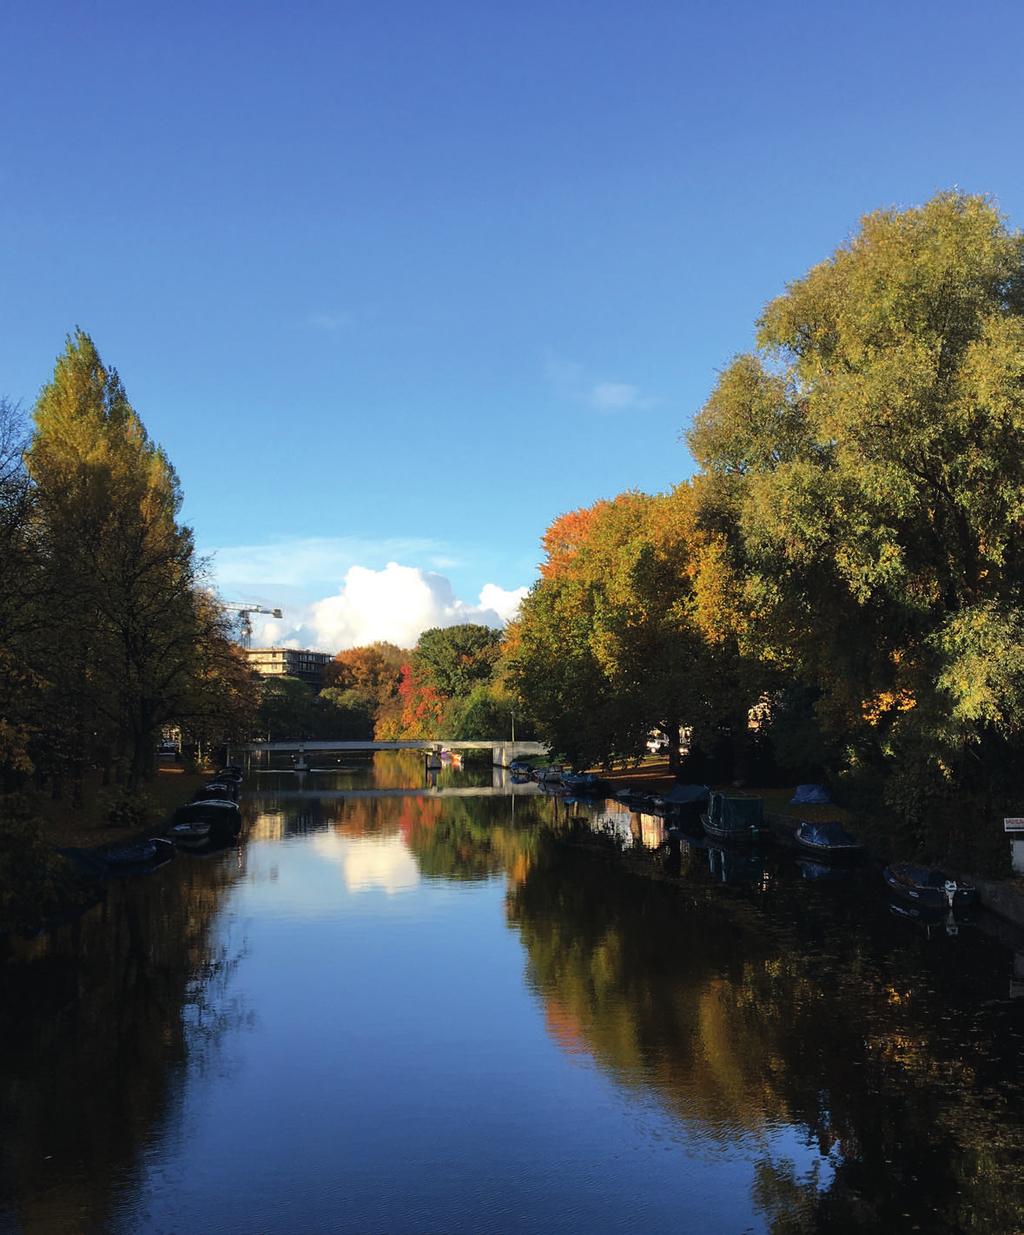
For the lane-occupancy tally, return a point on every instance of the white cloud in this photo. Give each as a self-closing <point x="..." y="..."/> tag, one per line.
<point x="571" y="381"/>
<point x="395" y="604"/>
<point x="505" y="604"/>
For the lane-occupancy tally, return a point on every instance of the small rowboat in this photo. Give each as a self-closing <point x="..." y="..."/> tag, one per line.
<point x="829" y="840"/>
<point x="929" y="889"/>
<point x="548" y="775"/>
<point x="188" y="834"/>
<point x="216" y="791"/>
<point x="199" y="822"/>
<point x="133" y="859"/>
<point x="138" y="858"/>
<point x="584" y="782"/>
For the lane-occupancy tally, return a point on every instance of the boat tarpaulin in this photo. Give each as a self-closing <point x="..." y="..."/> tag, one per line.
<point x="811" y="795"/>
<point x="684" y="795"/>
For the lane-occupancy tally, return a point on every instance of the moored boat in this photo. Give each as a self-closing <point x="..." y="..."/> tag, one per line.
<point x="734" y="819"/>
<point x="144" y="855"/>
<point x="685" y="804"/>
<point x="929" y="888"/>
<point x="547" y="775"/>
<point x="194" y="832"/>
<point x="210" y="820"/>
<point x="680" y="797"/>
<point x="584" y="782"/>
<point x="222" y="791"/>
<point x="828" y="840"/>
<point x="137" y="858"/>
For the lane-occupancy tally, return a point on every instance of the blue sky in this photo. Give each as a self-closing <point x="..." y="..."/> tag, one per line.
<point x="401" y="282"/>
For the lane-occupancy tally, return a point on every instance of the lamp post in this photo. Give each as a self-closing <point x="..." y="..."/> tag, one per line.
<point x="513" y="712"/>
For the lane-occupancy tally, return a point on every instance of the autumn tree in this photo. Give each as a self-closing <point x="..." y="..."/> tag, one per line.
<point x="374" y="668"/>
<point x="364" y="682"/>
<point x="866" y="468"/>
<point x="610" y="642"/>
<point x="419" y="708"/>
<point x="127" y="620"/>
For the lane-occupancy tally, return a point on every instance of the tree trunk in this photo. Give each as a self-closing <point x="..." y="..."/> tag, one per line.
<point x="671" y="731"/>
<point x="740" y="733"/>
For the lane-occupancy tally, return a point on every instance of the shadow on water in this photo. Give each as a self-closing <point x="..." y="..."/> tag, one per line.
<point x="97" y="1021"/>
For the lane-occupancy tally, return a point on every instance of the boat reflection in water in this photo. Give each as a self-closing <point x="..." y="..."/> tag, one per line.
<point x="410" y="1009"/>
<point x="815" y="870"/>
<point x="737" y="866"/>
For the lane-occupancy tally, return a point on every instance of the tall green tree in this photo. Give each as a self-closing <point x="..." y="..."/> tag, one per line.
<point x="457" y="658"/>
<point x="866" y="466"/>
<point x="126" y="619"/>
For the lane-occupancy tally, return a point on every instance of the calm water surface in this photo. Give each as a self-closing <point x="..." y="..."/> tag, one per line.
<point x="395" y="1008"/>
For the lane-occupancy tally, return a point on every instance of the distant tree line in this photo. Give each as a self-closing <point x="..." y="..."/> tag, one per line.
<point x="845" y="565"/>
<point x="451" y="685"/>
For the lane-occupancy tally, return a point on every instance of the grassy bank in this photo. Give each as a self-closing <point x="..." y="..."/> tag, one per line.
<point x="89" y="824"/>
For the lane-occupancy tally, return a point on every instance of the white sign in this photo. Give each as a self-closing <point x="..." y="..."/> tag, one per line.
<point x="1013" y="825"/>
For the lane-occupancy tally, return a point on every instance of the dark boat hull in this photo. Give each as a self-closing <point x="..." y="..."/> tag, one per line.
<point x="730" y="836"/>
<point x="829" y="853"/>
<point x="934" y="900"/>
<point x="139" y="859"/>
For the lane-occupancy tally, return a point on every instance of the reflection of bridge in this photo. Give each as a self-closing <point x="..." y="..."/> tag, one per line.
<point x="502" y="750"/>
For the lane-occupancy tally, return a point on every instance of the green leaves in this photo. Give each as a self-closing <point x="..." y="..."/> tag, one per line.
<point x="128" y="640"/>
<point x="456" y="658"/>
<point x="867" y="470"/>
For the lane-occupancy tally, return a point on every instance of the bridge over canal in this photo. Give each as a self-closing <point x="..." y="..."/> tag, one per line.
<point x="502" y="750"/>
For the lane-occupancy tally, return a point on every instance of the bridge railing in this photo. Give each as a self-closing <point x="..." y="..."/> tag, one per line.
<point x="502" y="750"/>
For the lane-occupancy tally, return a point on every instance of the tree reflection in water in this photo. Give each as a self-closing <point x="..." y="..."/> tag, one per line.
<point x="746" y="1013"/>
<point x="96" y="1023"/>
<point x="870" y="1070"/>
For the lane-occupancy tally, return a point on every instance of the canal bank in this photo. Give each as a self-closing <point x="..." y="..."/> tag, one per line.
<point x="41" y="888"/>
<point x="1002" y="896"/>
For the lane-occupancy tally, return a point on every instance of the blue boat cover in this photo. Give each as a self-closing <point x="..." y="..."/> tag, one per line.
<point x="683" y="795"/>
<point x="811" y="795"/>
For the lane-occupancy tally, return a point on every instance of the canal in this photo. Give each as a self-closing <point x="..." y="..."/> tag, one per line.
<point x="402" y="1008"/>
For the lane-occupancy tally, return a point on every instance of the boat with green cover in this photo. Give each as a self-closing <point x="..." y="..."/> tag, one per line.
<point x="730" y="817"/>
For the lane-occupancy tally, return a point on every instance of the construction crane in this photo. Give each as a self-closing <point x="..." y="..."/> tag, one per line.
<point x="245" y="621"/>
